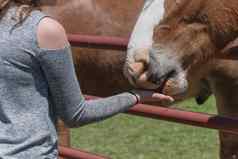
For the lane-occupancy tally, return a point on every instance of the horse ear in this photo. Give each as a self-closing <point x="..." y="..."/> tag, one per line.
<point x="230" y="51"/>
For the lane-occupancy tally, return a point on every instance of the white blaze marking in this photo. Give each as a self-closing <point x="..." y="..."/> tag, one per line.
<point x="142" y="35"/>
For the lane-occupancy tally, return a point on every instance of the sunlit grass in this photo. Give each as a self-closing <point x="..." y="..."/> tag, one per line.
<point x="129" y="137"/>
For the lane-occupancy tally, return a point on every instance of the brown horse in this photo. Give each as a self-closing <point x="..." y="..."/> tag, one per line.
<point x="186" y="40"/>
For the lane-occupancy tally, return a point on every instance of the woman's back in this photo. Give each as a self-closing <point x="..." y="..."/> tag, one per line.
<point x="25" y="119"/>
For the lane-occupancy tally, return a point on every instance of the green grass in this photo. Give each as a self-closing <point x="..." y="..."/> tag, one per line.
<point x="129" y="137"/>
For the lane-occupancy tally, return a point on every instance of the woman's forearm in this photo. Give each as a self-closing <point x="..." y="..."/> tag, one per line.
<point x="57" y="65"/>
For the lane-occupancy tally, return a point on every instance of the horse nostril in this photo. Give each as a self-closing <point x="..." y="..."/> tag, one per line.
<point x="136" y="69"/>
<point x="142" y="55"/>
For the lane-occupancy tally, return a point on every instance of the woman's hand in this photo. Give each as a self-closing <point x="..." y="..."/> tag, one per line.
<point x="150" y="96"/>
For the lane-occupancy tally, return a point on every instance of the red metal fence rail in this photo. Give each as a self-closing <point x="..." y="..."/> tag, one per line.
<point x="78" y="154"/>
<point x="98" y="42"/>
<point x="184" y="117"/>
<point x="222" y="123"/>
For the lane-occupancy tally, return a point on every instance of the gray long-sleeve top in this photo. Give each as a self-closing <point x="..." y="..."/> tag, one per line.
<point x="66" y="95"/>
<point x="36" y="87"/>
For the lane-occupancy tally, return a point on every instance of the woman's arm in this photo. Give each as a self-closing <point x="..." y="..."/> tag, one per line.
<point x="66" y="94"/>
<point x="57" y="64"/>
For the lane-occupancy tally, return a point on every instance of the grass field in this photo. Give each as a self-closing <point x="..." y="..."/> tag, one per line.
<point x="129" y="137"/>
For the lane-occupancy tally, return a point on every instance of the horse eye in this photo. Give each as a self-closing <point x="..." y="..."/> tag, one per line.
<point x="164" y="27"/>
<point x="161" y="30"/>
<point x="186" y="19"/>
<point x="189" y="19"/>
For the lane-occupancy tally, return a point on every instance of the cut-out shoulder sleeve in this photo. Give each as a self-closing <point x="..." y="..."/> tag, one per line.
<point x="57" y="65"/>
<point x="51" y="34"/>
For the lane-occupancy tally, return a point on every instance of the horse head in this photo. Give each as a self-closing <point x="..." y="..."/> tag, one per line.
<point x="174" y="42"/>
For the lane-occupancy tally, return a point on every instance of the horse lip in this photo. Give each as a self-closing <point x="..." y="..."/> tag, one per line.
<point x="179" y="93"/>
<point x="163" y="80"/>
<point x="162" y="85"/>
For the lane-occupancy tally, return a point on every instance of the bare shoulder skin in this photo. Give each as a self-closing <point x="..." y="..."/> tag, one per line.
<point x="51" y="34"/>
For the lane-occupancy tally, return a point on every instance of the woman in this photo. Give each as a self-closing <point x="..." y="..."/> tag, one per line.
<point x="38" y="84"/>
